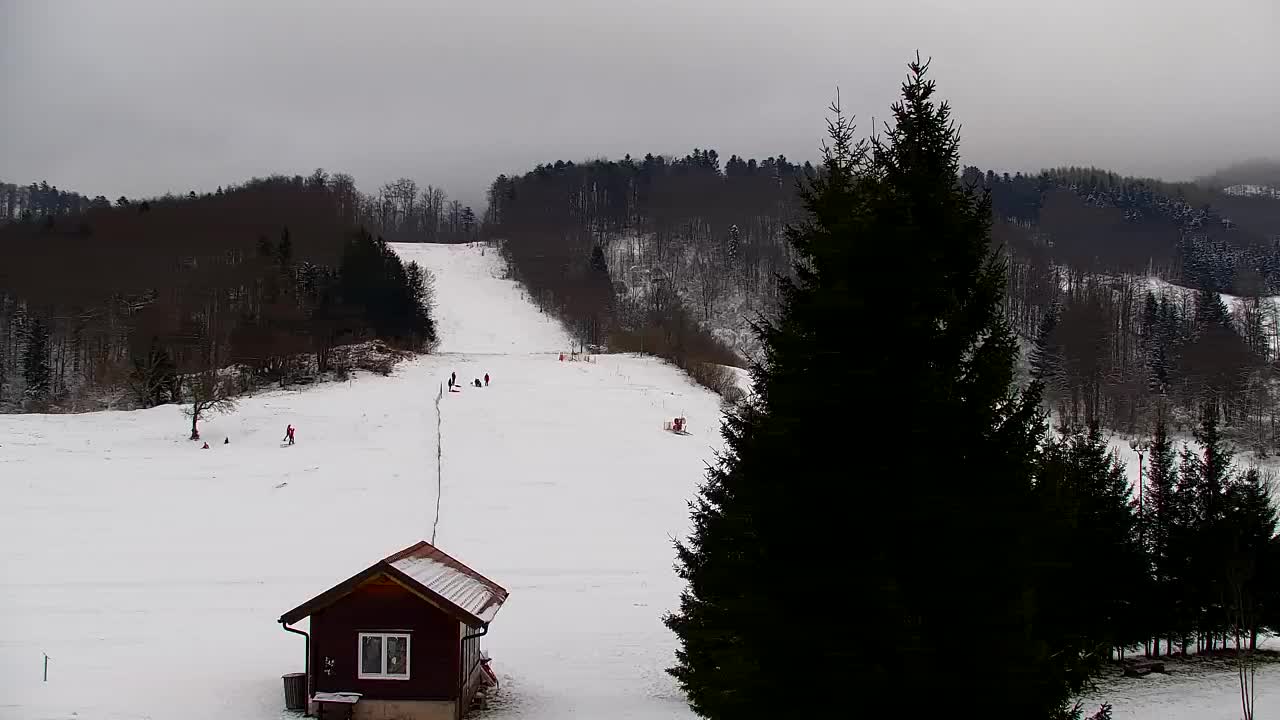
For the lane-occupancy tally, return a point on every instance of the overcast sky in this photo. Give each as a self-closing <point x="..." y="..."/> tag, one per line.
<point x="139" y="98"/>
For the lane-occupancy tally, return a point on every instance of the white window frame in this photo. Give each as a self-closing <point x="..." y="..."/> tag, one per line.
<point x="362" y="675"/>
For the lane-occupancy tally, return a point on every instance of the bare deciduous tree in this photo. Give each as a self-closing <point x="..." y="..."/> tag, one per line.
<point x="210" y="393"/>
<point x="710" y="274"/>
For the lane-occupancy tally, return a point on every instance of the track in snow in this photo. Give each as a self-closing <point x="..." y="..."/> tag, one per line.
<point x="152" y="573"/>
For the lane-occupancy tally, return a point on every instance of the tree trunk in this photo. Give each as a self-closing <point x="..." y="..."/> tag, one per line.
<point x="195" y="417"/>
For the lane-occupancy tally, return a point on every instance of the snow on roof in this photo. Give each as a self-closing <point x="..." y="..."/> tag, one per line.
<point x="430" y="572"/>
<point x="451" y="580"/>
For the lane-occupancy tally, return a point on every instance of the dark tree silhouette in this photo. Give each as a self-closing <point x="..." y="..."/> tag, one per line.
<point x="940" y="382"/>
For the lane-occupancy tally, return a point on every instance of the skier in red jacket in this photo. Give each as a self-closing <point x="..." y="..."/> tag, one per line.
<point x="486" y="379"/>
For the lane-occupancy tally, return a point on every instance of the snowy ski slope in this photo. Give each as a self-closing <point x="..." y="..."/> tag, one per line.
<point x="152" y="572"/>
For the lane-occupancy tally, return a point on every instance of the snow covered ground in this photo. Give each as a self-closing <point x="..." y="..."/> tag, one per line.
<point x="1186" y="696"/>
<point x="1160" y="286"/>
<point x="152" y="572"/>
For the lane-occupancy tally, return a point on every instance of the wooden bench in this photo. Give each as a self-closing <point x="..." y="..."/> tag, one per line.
<point x="335" y="705"/>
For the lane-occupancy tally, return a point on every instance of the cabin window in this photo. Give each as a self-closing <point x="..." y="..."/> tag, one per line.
<point x="384" y="656"/>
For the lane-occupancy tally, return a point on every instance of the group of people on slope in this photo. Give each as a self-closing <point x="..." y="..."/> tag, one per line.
<point x="453" y="381"/>
<point x="288" y="437"/>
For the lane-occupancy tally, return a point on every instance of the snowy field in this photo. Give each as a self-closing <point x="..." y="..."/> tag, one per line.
<point x="1188" y="696"/>
<point x="152" y="572"/>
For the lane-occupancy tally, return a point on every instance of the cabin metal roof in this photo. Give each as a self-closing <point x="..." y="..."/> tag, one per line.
<point x="428" y="571"/>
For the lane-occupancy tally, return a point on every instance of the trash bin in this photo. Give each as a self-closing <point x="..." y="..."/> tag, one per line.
<point x="295" y="691"/>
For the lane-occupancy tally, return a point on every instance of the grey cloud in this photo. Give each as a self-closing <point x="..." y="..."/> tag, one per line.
<point x="140" y="98"/>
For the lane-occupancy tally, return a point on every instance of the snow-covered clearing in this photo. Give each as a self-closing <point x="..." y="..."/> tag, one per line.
<point x="1160" y="286"/>
<point x="1182" y="695"/>
<point x="152" y="572"/>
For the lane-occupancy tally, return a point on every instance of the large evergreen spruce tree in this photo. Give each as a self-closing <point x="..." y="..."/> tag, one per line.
<point x="867" y="524"/>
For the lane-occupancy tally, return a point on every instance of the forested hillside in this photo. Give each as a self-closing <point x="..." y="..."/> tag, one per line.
<point x="1112" y="280"/>
<point x="1261" y="173"/>
<point x="1094" y="220"/>
<point x="24" y="203"/>
<point x="196" y="298"/>
<point x="677" y="257"/>
<point x="674" y="257"/>
<point x="1118" y="283"/>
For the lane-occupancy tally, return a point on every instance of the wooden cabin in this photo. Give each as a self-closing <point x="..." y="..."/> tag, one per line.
<point x="404" y="634"/>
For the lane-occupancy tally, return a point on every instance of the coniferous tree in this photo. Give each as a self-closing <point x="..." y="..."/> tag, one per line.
<point x="1159" y="527"/>
<point x="896" y="526"/>
<point x="1150" y="319"/>
<point x="1046" y="354"/>
<point x="1205" y="536"/>
<point x="1183" y="546"/>
<point x="598" y="263"/>
<point x="1251" y="519"/>
<point x="1210" y="310"/>
<point x="1155" y="344"/>
<point x="1088" y="542"/>
<point x="1269" y="586"/>
<point x="35" y="364"/>
<point x="373" y="279"/>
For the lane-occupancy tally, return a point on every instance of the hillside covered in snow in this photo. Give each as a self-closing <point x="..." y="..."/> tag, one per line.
<point x="151" y="572"/>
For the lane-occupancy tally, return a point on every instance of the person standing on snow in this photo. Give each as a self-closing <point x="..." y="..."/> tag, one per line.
<point x="288" y="434"/>
<point x="486" y="379"/>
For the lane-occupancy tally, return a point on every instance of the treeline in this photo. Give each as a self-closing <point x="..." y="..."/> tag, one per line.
<point x="1188" y="563"/>
<point x="1093" y="220"/>
<point x="1086" y="251"/>
<point x="401" y="211"/>
<point x="656" y="254"/>
<point x="149" y="302"/>
<point x="1259" y="172"/>
<point x="670" y="256"/>
<point x="1206" y="530"/>
<point x="28" y="203"/>
<point x="1114" y="350"/>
